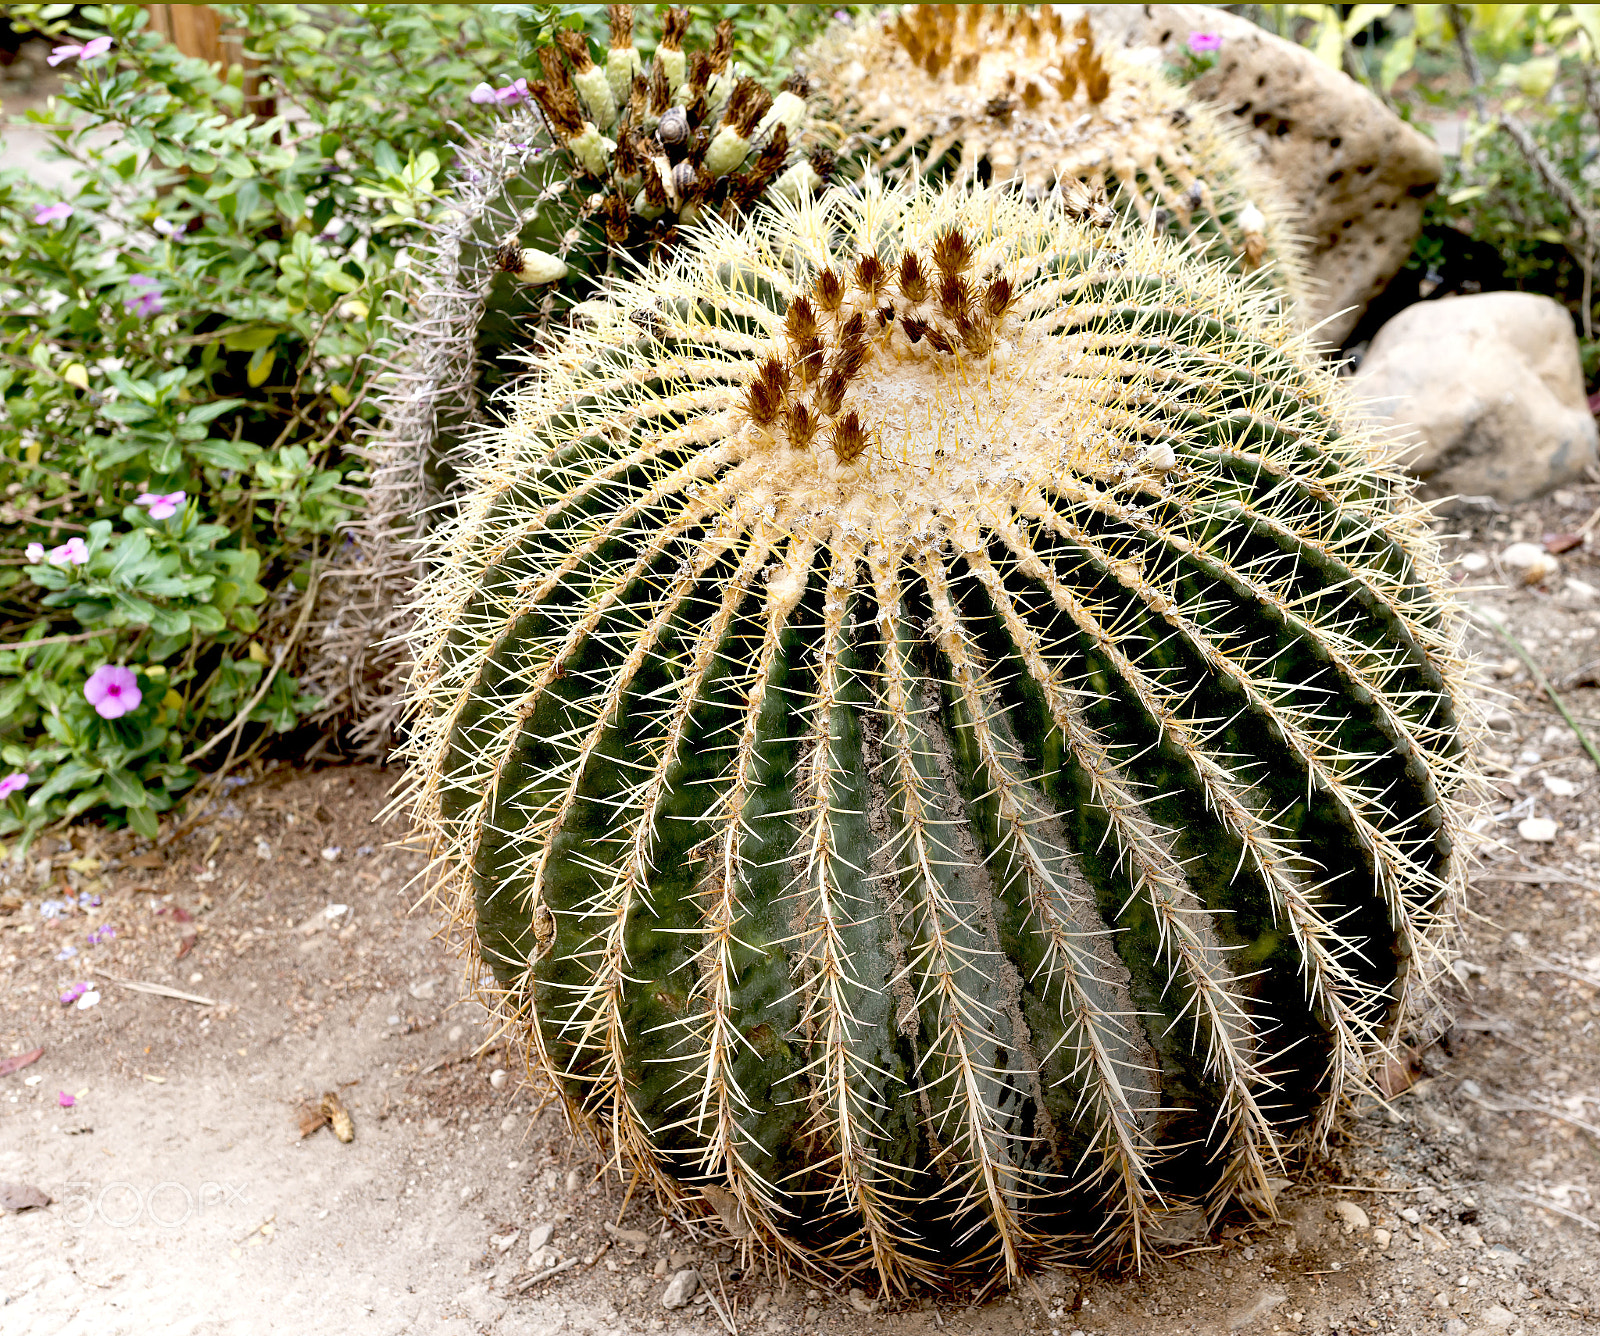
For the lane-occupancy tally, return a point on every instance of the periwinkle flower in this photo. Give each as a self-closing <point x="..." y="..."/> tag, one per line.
<point x="93" y="49"/>
<point x="113" y="691"/>
<point x="146" y="300"/>
<point x="162" y="505"/>
<point x="52" y="213"/>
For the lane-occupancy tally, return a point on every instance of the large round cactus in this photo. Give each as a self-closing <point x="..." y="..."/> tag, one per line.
<point x="996" y="92"/>
<point x="945" y="730"/>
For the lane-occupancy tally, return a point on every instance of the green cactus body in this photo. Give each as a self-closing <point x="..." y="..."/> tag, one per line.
<point x="1001" y="92"/>
<point x="544" y="210"/>
<point x="945" y="731"/>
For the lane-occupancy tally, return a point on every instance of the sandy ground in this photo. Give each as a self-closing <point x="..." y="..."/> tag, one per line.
<point x="185" y="1199"/>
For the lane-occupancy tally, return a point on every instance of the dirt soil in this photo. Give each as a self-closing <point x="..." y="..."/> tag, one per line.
<point x="167" y="1130"/>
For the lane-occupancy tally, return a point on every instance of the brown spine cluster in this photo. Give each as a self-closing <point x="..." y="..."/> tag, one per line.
<point x="831" y="334"/>
<point x="953" y="37"/>
<point x="661" y="147"/>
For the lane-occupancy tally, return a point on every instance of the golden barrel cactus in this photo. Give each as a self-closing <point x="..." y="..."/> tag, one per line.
<point x="1002" y="92"/>
<point x="945" y="730"/>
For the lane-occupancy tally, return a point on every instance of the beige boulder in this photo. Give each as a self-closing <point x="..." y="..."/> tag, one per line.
<point x="1356" y="174"/>
<point x="1487" y="390"/>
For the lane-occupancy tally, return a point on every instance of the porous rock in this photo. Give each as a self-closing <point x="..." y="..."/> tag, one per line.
<point x="1490" y="388"/>
<point x="1357" y="174"/>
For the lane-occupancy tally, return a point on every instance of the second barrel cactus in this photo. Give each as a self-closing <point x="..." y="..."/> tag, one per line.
<point x="1003" y="92"/>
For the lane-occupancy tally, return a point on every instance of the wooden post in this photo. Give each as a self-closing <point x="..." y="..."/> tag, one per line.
<point x="196" y="30"/>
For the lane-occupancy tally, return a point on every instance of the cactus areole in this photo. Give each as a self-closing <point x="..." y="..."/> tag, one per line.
<point x="944" y="731"/>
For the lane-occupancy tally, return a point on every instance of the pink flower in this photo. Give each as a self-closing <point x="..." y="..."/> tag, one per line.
<point x="162" y="505"/>
<point x="1204" y="43"/>
<point x="146" y="300"/>
<point x="15" y="782"/>
<point x="90" y="50"/>
<point x="113" y="691"/>
<point x="65" y="1100"/>
<point x="70" y="553"/>
<point x="52" y="213"/>
<point x="35" y="553"/>
<point x="508" y="96"/>
<point x="72" y="994"/>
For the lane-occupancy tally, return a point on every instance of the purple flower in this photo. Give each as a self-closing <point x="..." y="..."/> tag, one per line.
<point x="90" y="50"/>
<point x="67" y="999"/>
<point x="51" y="213"/>
<point x="146" y="300"/>
<point x="15" y="782"/>
<point x="162" y="505"/>
<point x="70" y="553"/>
<point x="113" y="691"/>
<point x="104" y="933"/>
<point x="65" y="1100"/>
<point x="509" y="96"/>
<point x="1204" y="43"/>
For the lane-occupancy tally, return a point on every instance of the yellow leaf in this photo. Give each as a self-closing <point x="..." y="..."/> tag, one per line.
<point x="31" y="454"/>
<point x="341" y="396"/>
<point x="172" y="700"/>
<point x="257" y="654"/>
<point x="76" y="374"/>
<point x="260" y="367"/>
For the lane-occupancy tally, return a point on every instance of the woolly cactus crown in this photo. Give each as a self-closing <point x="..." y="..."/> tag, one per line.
<point x="945" y="731"/>
<point x="1003" y="91"/>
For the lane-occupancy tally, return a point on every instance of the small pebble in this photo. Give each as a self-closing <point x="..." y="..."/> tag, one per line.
<point x="330" y="853"/>
<point x="1530" y="561"/>
<point x="1558" y="787"/>
<point x="1473" y="562"/>
<point x="680" y="1289"/>
<point x="1538" y="829"/>
<point x="1529" y="757"/>
<point x="498" y="1078"/>
<point x="509" y="1123"/>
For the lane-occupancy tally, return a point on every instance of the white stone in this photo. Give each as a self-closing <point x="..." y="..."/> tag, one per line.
<point x="1352" y="1215"/>
<point x="498" y="1078"/>
<point x="1558" y="787"/>
<point x="1496" y="1316"/>
<point x="1578" y="594"/>
<point x="1473" y="562"/>
<point x="1482" y="395"/>
<point x="1530" y="561"/>
<point x="680" y="1289"/>
<point x="1538" y="829"/>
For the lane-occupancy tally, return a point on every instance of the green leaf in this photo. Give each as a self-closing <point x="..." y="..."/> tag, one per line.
<point x="144" y="822"/>
<point x="248" y="339"/>
<point x="124" y="788"/>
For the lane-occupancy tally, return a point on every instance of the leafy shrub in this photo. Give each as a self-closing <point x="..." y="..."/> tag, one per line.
<point x="196" y="319"/>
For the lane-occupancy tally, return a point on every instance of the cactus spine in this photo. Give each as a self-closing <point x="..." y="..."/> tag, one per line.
<point x="619" y="159"/>
<point x="945" y="730"/>
<point x="999" y="91"/>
